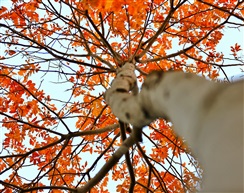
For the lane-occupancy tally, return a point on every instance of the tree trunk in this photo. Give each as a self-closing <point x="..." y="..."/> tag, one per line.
<point x="208" y="115"/>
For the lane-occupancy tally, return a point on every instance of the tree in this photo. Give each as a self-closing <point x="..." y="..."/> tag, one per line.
<point x="61" y="57"/>
<point x="198" y="109"/>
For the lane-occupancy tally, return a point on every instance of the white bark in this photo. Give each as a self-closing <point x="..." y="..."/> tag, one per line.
<point x="208" y="115"/>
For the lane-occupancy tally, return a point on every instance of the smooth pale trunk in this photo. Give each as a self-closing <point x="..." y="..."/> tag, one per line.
<point x="208" y="115"/>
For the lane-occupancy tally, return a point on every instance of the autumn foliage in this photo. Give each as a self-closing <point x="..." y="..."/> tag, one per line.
<point x="57" y="59"/>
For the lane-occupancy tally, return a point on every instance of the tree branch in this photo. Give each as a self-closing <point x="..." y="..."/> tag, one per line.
<point x="123" y="149"/>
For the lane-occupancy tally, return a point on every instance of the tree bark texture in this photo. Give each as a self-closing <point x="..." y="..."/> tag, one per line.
<point x="208" y="115"/>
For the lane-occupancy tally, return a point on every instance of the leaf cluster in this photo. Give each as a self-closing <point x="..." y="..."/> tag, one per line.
<point x="57" y="59"/>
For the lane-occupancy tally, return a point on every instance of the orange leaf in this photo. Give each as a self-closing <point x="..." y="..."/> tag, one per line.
<point x="11" y="52"/>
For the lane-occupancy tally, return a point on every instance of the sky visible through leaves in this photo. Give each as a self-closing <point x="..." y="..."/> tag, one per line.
<point x="64" y="55"/>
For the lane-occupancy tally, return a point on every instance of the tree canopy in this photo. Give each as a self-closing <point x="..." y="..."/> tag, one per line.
<point x="59" y="57"/>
